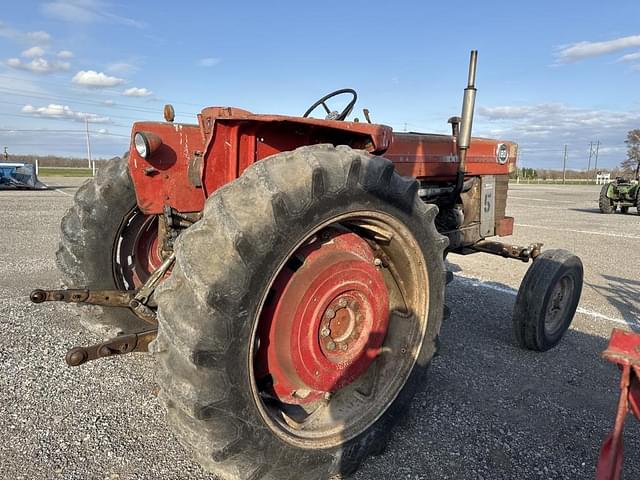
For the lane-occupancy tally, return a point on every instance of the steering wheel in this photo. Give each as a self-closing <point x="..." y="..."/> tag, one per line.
<point x="333" y="115"/>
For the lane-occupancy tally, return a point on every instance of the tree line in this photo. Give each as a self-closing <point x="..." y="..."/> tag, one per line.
<point x="628" y="167"/>
<point x="48" y="160"/>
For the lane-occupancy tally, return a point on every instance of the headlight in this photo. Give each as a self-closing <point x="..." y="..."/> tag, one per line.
<point x="142" y="145"/>
<point x="146" y="143"/>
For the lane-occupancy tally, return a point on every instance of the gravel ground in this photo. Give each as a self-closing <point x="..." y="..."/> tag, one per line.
<point x="490" y="410"/>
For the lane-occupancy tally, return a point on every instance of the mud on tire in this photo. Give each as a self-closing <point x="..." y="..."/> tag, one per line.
<point x="208" y="308"/>
<point x="85" y="253"/>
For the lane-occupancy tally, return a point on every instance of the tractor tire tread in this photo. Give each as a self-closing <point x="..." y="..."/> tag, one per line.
<point x="204" y="321"/>
<point x="84" y="254"/>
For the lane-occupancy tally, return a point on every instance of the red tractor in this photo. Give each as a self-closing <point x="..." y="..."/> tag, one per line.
<point x="289" y="274"/>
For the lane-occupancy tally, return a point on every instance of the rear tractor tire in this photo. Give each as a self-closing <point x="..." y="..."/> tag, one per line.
<point x="547" y="300"/>
<point x="107" y="243"/>
<point x="301" y="316"/>
<point x="604" y="202"/>
<point x="624" y="209"/>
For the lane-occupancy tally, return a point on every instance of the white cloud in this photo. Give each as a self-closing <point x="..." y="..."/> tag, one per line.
<point x="581" y="50"/>
<point x="629" y="57"/>
<point x="33" y="52"/>
<point x="86" y="11"/>
<point x="91" y="78"/>
<point x="208" y="62"/>
<point x="63" y="111"/>
<point x="34" y="38"/>
<point x="39" y="37"/>
<point x="38" y="65"/>
<point x="109" y="103"/>
<point x="542" y="130"/>
<point x="121" y="67"/>
<point x="65" y="54"/>
<point x="137" y="92"/>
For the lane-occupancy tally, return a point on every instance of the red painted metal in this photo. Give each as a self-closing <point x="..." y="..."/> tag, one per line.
<point x="136" y="254"/>
<point x="147" y="257"/>
<point x="326" y="319"/>
<point x="624" y="350"/>
<point x="504" y="227"/>
<point x="163" y="179"/>
<point x="228" y="140"/>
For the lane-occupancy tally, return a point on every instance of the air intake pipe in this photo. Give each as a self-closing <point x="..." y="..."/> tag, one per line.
<point x="464" y="132"/>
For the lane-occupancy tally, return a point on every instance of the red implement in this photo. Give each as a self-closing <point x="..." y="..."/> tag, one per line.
<point x="623" y="349"/>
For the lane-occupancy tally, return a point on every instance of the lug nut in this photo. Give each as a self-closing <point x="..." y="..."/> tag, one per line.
<point x="344" y="347"/>
<point x="377" y="262"/>
<point x="330" y="313"/>
<point x="325" y="332"/>
<point x="331" y="346"/>
<point x="343" y="302"/>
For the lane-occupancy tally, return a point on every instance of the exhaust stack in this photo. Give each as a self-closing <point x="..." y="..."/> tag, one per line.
<point x="463" y="140"/>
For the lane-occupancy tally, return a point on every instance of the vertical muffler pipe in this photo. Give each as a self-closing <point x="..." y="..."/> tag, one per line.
<point x="464" y="134"/>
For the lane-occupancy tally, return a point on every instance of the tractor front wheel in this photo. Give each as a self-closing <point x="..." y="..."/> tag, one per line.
<point x="547" y="299"/>
<point x="604" y="202"/>
<point x="108" y="243"/>
<point x="301" y="315"/>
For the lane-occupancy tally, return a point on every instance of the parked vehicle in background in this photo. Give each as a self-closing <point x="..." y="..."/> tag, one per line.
<point x="620" y="194"/>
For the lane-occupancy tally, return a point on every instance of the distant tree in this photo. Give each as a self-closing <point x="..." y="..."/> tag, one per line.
<point x="632" y="163"/>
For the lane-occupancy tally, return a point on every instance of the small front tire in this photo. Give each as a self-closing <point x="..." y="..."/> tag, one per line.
<point x="547" y="300"/>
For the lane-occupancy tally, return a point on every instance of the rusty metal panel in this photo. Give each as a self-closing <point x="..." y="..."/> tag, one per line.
<point x="488" y="206"/>
<point x="504" y="227"/>
<point x="502" y="189"/>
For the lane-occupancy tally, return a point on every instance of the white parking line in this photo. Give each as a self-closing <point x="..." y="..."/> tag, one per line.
<point x="588" y="232"/>
<point x="540" y="199"/>
<point x="64" y="193"/>
<point x="548" y="207"/>
<point x="477" y="282"/>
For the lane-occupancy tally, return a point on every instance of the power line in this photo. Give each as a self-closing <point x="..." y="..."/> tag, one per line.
<point x="44" y="130"/>
<point x="66" y="85"/>
<point x="65" y="98"/>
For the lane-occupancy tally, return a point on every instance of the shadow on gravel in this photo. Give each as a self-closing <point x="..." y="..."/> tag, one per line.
<point x="492" y="410"/>
<point x="587" y="210"/>
<point x="624" y="295"/>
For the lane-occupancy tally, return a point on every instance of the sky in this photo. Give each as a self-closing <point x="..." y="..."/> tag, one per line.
<point x="549" y="73"/>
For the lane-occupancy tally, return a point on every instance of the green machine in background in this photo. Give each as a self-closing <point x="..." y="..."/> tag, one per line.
<point x="621" y="193"/>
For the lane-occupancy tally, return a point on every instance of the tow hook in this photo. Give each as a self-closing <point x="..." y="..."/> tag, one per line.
<point x="132" y="342"/>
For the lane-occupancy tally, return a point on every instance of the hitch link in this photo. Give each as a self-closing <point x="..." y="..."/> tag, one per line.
<point x="136" y="300"/>
<point x="109" y="298"/>
<point x="132" y="342"/>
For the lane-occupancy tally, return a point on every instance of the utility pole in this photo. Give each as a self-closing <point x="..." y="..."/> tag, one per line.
<point x="590" y="153"/>
<point x="405" y="126"/>
<point x="6" y="154"/>
<point x="86" y="123"/>
<point x="564" y="165"/>
<point x="595" y="168"/>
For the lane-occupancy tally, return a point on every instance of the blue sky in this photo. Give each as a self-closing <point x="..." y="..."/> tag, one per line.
<point x="549" y="73"/>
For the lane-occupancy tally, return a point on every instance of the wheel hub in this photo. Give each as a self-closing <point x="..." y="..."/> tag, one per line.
<point x="326" y="320"/>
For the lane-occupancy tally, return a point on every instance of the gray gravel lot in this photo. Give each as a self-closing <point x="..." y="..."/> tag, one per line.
<point x="490" y="410"/>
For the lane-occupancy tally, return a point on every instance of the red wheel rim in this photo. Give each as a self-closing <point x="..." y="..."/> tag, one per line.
<point x="136" y="252"/>
<point x="326" y="320"/>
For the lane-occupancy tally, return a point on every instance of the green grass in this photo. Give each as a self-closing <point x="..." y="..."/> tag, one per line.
<point x="64" y="172"/>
